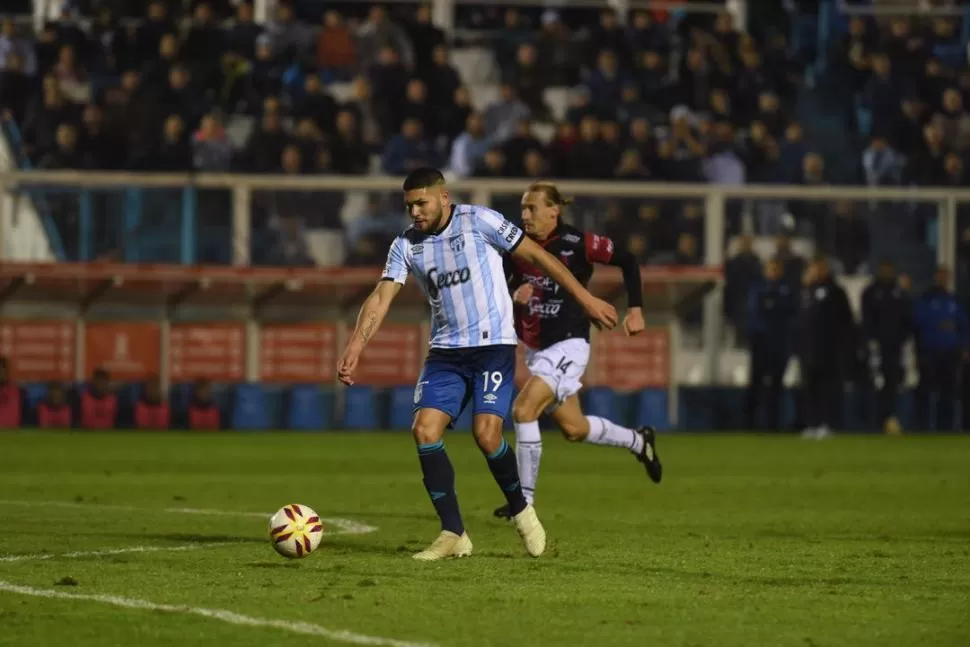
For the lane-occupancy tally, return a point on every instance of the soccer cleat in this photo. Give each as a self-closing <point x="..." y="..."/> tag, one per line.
<point x="531" y="531"/>
<point x="446" y="545"/>
<point x="648" y="456"/>
<point x="503" y="512"/>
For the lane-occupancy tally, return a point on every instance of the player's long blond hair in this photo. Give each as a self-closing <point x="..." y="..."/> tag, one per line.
<point x="551" y="193"/>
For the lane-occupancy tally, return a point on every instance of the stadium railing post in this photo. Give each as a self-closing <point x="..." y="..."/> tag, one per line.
<point x="241" y="224"/>
<point x="946" y="249"/>
<point x="713" y="257"/>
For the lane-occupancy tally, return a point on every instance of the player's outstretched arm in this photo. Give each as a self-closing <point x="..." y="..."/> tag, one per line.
<point x="369" y="319"/>
<point x="602" y="250"/>
<point x="601" y="312"/>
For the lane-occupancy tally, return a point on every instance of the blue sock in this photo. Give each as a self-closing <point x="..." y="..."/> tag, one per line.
<point x="506" y="473"/>
<point x="439" y="480"/>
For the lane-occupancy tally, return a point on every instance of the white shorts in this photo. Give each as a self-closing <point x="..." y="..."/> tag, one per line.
<point x="561" y="366"/>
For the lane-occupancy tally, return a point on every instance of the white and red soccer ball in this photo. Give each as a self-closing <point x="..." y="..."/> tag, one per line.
<point x="295" y="530"/>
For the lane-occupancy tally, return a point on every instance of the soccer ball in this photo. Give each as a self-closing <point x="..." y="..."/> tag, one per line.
<point x="295" y="530"/>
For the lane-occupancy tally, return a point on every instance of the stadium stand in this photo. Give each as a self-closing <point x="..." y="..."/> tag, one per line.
<point x="824" y="94"/>
<point x="523" y="95"/>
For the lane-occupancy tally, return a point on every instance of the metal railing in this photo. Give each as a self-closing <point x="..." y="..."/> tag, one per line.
<point x="241" y="189"/>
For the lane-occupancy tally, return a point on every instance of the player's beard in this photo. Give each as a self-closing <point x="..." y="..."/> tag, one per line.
<point x="435" y="221"/>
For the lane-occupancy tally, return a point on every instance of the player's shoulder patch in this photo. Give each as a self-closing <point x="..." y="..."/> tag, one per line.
<point x="571" y="235"/>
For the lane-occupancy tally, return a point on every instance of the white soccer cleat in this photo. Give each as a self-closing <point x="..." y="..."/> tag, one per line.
<point x="531" y="530"/>
<point x="446" y="545"/>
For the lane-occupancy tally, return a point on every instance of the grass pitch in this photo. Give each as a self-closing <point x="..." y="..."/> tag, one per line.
<point x="750" y="540"/>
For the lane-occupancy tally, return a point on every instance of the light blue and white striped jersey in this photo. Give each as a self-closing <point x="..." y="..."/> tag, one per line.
<point x="460" y="270"/>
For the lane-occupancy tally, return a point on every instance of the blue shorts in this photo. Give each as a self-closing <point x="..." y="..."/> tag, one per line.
<point x="483" y="376"/>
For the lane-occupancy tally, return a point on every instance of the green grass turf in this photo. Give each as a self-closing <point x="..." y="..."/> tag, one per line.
<point x="750" y="540"/>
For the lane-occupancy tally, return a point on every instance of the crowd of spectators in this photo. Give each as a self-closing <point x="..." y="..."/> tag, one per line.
<point x="911" y="82"/>
<point x="697" y="99"/>
<point x="648" y="101"/>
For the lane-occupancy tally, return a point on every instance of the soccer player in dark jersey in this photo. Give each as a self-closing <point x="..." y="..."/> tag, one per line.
<point x="555" y="332"/>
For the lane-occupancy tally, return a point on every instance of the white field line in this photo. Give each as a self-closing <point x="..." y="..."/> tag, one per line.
<point x="295" y="627"/>
<point x="342" y="526"/>
<point x="113" y="551"/>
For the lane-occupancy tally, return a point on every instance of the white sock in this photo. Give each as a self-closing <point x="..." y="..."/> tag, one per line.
<point x="605" y="432"/>
<point x="528" y="453"/>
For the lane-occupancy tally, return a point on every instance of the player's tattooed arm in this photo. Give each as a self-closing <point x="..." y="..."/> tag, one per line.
<point x="369" y="319"/>
<point x="368" y="327"/>
<point x="373" y="311"/>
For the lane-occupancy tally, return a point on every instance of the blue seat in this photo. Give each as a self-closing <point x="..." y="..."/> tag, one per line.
<point x="129" y="393"/>
<point x="248" y="408"/>
<point x="307" y="410"/>
<point x="361" y="409"/>
<point x="728" y="408"/>
<point x="651" y="409"/>
<point x="601" y="401"/>
<point x="275" y="405"/>
<point x="34" y="394"/>
<point x="400" y="407"/>
<point x="695" y="408"/>
<point x="128" y="396"/>
<point x="179" y="396"/>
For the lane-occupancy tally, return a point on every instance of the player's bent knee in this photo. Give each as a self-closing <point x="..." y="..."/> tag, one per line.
<point x="487" y="429"/>
<point x="536" y="395"/>
<point x="429" y="426"/>
<point x="524" y="412"/>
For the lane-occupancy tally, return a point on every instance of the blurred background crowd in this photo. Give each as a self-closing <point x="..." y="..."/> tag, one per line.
<point x="793" y="96"/>
<point x="354" y="88"/>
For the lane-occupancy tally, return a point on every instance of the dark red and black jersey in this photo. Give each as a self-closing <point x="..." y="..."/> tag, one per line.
<point x="553" y="315"/>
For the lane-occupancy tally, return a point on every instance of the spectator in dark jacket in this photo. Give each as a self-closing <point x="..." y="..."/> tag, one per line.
<point x="942" y="337"/>
<point x="771" y="306"/>
<point x="741" y="272"/>
<point x="826" y="337"/>
<point x="887" y="323"/>
<point x="408" y="150"/>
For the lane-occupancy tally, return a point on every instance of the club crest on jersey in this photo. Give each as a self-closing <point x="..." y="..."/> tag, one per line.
<point x="457" y="243"/>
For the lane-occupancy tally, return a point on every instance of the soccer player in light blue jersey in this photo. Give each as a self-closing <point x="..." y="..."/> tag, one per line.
<point x="455" y="253"/>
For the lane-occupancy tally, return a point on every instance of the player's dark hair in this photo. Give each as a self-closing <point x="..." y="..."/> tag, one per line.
<point x="551" y="193"/>
<point x="422" y="178"/>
